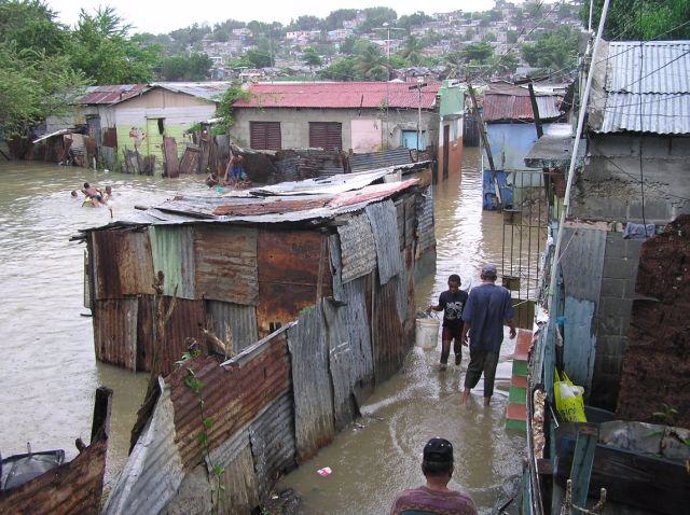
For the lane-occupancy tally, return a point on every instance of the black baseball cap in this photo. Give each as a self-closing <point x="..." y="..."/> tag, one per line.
<point x="438" y="450"/>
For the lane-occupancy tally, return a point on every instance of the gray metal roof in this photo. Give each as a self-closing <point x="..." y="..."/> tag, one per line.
<point x="646" y="88"/>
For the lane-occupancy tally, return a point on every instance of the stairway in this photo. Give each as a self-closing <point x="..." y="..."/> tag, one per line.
<point x="516" y="412"/>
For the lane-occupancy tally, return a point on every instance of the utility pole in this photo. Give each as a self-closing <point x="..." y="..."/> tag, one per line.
<point x="387" y="28"/>
<point x="419" y="87"/>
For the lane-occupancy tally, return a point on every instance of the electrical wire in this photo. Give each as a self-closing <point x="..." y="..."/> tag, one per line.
<point x="644" y="219"/>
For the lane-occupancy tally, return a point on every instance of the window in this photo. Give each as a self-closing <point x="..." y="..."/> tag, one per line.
<point x="326" y="135"/>
<point x="265" y="135"/>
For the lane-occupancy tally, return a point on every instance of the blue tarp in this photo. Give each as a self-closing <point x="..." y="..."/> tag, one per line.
<point x="489" y="198"/>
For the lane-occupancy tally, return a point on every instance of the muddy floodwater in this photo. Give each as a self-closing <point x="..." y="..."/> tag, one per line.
<point x="49" y="372"/>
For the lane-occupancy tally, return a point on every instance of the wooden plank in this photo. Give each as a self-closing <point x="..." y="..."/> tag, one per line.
<point x="583" y="458"/>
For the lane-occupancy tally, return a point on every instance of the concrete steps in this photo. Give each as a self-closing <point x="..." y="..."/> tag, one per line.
<point x="516" y="412"/>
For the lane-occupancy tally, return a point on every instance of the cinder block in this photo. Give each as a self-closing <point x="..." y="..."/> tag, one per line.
<point x="620" y="268"/>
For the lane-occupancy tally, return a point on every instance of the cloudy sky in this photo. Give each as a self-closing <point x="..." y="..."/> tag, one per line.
<point x="162" y="16"/>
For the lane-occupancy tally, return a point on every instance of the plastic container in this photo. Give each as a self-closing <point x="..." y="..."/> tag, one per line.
<point x="426" y="332"/>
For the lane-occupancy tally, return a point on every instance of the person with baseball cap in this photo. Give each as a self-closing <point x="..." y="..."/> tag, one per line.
<point x="488" y="307"/>
<point x="435" y="496"/>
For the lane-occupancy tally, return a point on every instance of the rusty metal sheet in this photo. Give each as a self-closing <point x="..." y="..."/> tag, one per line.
<point x="115" y="332"/>
<point x="389" y="347"/>
<point x="400" y="218"/>
<point x="186" y="321"/>
<point x="341" y="367"/>
<point x="358" y="327"/>
<point x="314" y="426"/>
<point x="173" y="254"/>
<point x="226" y="263"/>
<point x="271" y="206"/>
<point x="358" y="253"/>
<point x="122" y="262"/>
<point x="272" y="436"/>
<point x="153" y="471"/>
<point x="294" y="272"/>
<point x="172" y="164"/>
<point x="145" y="333"/>
<point x="234" y="395"/>
<point x="384" y="226"/>
<point x="233" y="322"/>
<point x="426" y="239"/>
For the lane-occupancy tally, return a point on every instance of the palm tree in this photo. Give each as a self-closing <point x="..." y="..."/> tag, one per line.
<point x="412" y="51"/>
<point x="371" y="64"/>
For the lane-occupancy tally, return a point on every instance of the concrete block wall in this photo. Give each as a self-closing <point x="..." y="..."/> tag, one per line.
<point x="612" y="322"/>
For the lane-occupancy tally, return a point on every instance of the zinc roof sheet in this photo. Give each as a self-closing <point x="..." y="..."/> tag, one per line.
<point x="340" y="95"/>
<point x="105" y="95"/>
<point x="512" y="107"/>
<point x="646" y="88"/>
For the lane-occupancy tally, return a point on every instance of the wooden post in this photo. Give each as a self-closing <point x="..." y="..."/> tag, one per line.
<point x="485" y="141"/>
<point x="583" y="459"/>
<point x="535" y="110"/>
<point x="100" y="426"/>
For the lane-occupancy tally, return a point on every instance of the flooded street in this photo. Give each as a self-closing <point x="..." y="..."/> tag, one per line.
<point x="49" y="373"/>
<point x="381" y="455"/>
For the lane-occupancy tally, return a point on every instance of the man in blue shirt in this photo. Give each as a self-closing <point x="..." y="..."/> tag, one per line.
<point x="488" y="306"/>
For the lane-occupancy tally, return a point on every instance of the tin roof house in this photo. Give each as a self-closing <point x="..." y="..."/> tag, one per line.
<point x="360" y="116"/>
<point x="242" y="266"/>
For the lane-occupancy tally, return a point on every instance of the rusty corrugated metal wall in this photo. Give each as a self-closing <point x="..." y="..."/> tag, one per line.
<point x="358" y="255"/>
<point x="173" y="254"/>
<point x="294" y="272"/>
<point x="234" y="322"/>
<point x="426" y="239"/>
<point x="115" y="331"/>
<point x="116" y="273"/>
<point x="225" y="263"/>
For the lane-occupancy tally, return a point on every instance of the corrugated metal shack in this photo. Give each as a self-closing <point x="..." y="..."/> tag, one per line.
<point x="323" y="270"/>
<point x="241" y="266"/>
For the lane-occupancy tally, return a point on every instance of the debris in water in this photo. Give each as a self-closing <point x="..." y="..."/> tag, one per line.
<point x="324" y="472"/>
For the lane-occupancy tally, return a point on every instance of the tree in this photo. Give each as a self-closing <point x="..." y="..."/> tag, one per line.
<point x="417" y="19"/>
<point x="503" y="64"/>
<point x="256" y="58"/>
<point x="33" y="86"/>
<point x="554" y="51"/>
<point x="477" y="53"/>
<point x="412" y="51"/>
<point x="305" y="22"/>
<point x="336" y="18"/>
<point x="342" y="70"/>
<point x="490" y="37"/>
<point x="192" y="67"/>
<point x="643" y="20"/>
<point x="371" y="63"/>
<point x="311" y="57"/>
<point x="30" y="24"/>
<point x="103" y="51"/>
<point x="511" y="37"/>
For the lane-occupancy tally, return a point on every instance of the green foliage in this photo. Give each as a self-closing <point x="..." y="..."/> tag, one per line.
<point x="477" y="53"/>
<point x="413" y="20"/>
<point x="258" y="58"/>
<point x="305" y="22"/>
<point x="224" y="109"/>
<point x="341" y="70"/>
<point x="192" y="67"/>
<point x="645" y="20"/>
<point x="102" y="50"/>
<point x="554" y="51"/>
<point x="376" y="17"/>
<point x="31" y="25"/>
<point x="667" y="415"/>
<point x="370" y="62"/>
<point x="336" y="18"/>
<point x="412" y="51"/>
<point x="311" y="57"/>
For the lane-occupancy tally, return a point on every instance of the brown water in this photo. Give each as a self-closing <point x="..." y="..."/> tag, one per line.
<point x="49" y="373"/>
<point x="381" y="454"/>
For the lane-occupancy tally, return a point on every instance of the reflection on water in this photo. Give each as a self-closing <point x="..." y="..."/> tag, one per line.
<point x="381" y="454"/>
<point x="49" y="373"/>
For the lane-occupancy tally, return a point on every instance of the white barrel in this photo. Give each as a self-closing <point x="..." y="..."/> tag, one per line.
<point x="426" y="333"/>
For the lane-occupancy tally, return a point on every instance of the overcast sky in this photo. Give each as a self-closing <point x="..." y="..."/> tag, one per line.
<point x="162" y="16"/>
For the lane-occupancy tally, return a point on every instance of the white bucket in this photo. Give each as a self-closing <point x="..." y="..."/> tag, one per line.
<point x="426" y="333"/>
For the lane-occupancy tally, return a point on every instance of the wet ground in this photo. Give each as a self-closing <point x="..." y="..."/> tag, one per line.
<point x="49" y="373"/>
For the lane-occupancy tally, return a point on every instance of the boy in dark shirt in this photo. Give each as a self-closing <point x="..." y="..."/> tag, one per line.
<point x="452" y="303"/>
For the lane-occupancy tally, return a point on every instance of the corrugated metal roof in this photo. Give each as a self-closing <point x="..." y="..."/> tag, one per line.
<point x="115" y="331"/>
<point x="646" y="87"/>
<point x="212" y="91"/>
<point x="109" y="94"/>
<point x="339" y="95"/>
<point x="508" y="107"/>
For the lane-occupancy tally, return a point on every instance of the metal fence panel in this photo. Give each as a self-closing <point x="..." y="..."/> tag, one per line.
<point x="358" y="254"/>
<point x="116" y="317"/>
<point x="232" y="322"/>
<point x="314" y="426"/>
<point x="358" y="328"/>
<point x="383" y="218"/>
<point x="425" y="221"/>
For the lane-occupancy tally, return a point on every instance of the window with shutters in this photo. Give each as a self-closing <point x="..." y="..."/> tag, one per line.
<point x="326" y="135"/>
<point x="264" y="135"/>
